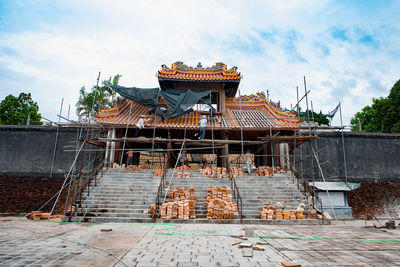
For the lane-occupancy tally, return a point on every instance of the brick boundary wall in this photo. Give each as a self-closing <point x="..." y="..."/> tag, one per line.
<point x="25" y="194"/>
<point x="382" y="199"/>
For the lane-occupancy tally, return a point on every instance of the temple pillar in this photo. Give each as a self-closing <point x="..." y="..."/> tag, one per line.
<point x="276" y="155"/>
<point x="284" y="155"/>
<point x="170" y="153"/>
<point x="112" y="146"/>
<point x="225" y="152"/>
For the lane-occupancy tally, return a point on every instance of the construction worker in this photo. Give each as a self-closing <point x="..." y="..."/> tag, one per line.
<point x="203" y="125"/>
<point x="248" y="159"/>
<point x="182" y="158"/>
<point x="140" y="125"/>
<point x="129" y="160"/>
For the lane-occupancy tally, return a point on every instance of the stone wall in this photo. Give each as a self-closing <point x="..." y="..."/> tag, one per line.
<point x="26" y="154"/>
<point x="369" y="157"/>
<point x="27" y="151"/>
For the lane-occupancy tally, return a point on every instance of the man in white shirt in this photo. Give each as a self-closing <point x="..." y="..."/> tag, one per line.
<point x="203" y="125"/>
<point x="140" y="125"/>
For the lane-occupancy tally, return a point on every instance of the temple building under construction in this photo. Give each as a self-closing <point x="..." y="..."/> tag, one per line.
<point x="235" y="124"/>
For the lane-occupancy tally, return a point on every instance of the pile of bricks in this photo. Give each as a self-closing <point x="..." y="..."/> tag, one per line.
<point x="219" y="172"/>
<point x="183" y="174"/>
<point x="270" y="213"/>
<point x="267" y="212"/>
<point x="311" y="214"/>
<point x="267" y="171"/>
<point x="132" y="168"/>
<point x="152" y="210"/>
<point x="182" y="168"/>
<point x="219" y="203"/>
<point x="158" y="173"/>
<point x="236" y="171"/>
<point x="180" y="194"/>
<point x="183" y="210"/>
<point x="38" y="215"/>
<point x="116" y="165"/>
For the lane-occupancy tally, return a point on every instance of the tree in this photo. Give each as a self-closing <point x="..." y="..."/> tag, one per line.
<point x="18" y="110"/>
<point x="383" y="116"/>
<point x="89" y="103"/>
<point x="318" y="117"/>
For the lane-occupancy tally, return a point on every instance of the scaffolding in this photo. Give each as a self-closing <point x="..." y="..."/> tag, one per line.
<point x="105" y="145"/>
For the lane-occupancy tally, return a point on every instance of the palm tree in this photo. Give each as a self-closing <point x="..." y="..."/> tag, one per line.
<point x="89" y="103"/>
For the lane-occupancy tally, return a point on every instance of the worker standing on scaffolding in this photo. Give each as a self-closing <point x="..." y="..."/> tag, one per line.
<point x="203" y="125"/>
<point x="248" y="159"/>
<point x="140" y="125"/>
<point x="182" y="159"/>
<point x="129" y="160"/>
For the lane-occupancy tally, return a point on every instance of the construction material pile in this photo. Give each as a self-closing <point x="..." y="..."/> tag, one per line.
<point x="152" y="210"/>
<point x="183" y="210"/>
<point x="221" y="172"/>
<point x="236" y="171"/>
<point x="268" y="171"/>
<point x="270" y="213"/>
<point x="182" y="168"/>
<point x="219" y="203"/>
<point x="116" y="165"/>
<point x="38" y="215"/>
<point x="133" y="168"/>
<point x="183" y="174"/>
<point x="179" y="204"/>
<point x="158" y="173"/>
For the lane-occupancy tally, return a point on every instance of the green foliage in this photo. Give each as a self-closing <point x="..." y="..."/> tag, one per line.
<point x="89" y="103"/>
<point x="15" y="110"/>
<point x="383" y="116"/>
<point x="318" y="117"/>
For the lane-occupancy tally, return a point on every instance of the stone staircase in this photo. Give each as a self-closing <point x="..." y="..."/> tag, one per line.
<point x="113" y="200"/>
<point x="258" y="191"/>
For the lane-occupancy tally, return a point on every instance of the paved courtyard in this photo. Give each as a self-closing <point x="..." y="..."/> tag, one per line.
<point x="42" y="243"/>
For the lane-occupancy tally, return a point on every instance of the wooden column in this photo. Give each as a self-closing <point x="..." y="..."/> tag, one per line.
<point x="225" y="152"/>
<point x="170" y="153"/>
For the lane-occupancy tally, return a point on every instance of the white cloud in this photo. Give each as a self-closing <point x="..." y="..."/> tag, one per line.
<point x="273" y="44"/>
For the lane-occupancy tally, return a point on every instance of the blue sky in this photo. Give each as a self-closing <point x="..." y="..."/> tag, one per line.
<point x="348" y="50"/>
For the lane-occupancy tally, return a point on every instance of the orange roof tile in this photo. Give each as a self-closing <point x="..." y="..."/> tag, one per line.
<point x="179" y="71"/>
<point x="247" y="115"/>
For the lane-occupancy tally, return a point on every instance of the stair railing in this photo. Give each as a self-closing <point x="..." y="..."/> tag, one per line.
<point x="237" y="198"/>
<point x="85" y="183"/>
<point x="160" y="191"/>
<point x="306" y="188"/>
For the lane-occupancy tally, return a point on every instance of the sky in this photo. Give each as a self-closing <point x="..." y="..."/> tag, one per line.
<point x="347" y="50"/>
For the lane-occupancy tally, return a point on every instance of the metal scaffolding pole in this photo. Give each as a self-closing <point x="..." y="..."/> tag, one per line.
<point x="55" y="143"/>
<point x="344" y="151"/>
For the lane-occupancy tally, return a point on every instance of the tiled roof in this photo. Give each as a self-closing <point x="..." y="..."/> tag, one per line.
<point x="252" y="115"/>
<point x="179" y="71"/>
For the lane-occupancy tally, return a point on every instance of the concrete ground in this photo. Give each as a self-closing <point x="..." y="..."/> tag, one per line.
<point x="42" y="243"/>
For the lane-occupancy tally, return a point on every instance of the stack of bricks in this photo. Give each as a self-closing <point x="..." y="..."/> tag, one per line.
<point x="179" y="204"/>
<point x="278" y="214"/>
<point x="133" y="168"/>
<point x="236" y="171"/>
<point x="158" y="173"/>
<point x="219" y="203"/>
<point x="182" y="168"/>
<point x="180" y="194"/>
<point x="183" y="210"/>
<point x="311" y="214"/>
<point x="267" y="171"/>
<point x="268" y="213"/>
<point x="219" y="172"/>
<point x="152" y="210"/>
<point x="183" y="174"/>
